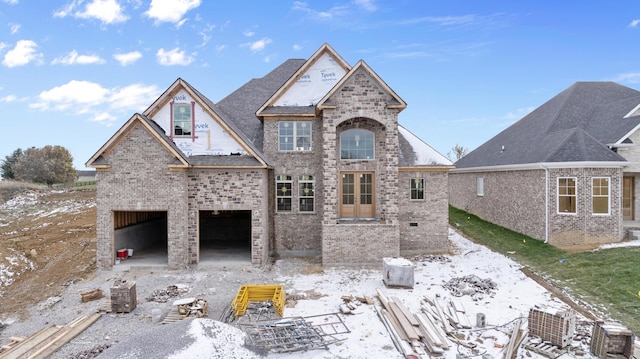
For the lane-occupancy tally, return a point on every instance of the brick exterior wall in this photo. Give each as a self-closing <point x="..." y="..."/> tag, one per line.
<point x="512" y="199"/>
<point x="424" y="223"/>
<point x="230" y="190"/>
<point x="139" y="180"/>
<point x="516" y="200"/>
<point x="360" y="103"/>
<point x="585" y="228"/>
<point x="296" y="233"/>
<point x="358" y="244"/>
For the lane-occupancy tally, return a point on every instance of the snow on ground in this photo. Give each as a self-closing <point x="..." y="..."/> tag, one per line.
<point x="368" y="338"/>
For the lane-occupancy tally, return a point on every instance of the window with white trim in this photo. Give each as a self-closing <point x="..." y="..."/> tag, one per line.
<point x="600" y="195"/>
<point x="567" y="195"/>
<point x="306" y="193"/>
<point x="294" y="135"/>
<point x="480" y="186"/>
<point x="181" y="120"/>
<point x="284" y="195"/>
<point x="417" y="188"/>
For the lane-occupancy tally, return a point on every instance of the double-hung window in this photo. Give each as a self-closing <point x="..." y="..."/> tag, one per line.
<point x="567" y="190"/>
<point x="306" y="193"/>
<point x="294" y="135"/>
<point x="182" y="120"/>
<point x="417" y="188"/>
<point x="600" y="195"/>
<point x="284" y="186"/>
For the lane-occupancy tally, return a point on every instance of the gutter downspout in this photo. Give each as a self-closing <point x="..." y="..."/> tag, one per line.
<point x="546" y="203"/>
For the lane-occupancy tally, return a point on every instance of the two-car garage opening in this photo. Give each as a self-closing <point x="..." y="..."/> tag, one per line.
<point x="222" y="235"/>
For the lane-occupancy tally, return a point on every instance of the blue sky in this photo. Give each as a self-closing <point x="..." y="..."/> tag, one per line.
<point x="72" y="72"/>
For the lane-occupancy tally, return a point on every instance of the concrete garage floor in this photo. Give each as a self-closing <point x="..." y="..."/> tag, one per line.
<point x="155" y="258"/>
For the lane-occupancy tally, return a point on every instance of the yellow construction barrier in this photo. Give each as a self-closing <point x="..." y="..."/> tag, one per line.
<point x="258" y="293"/>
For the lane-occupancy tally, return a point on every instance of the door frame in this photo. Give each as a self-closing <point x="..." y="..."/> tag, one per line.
<point x="358" y="209"/>
<point x="628" y="198"/>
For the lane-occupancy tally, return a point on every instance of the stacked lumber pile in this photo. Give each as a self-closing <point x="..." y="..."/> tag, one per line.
<point x="426" y="333"/>
<point x="46" y="341"/>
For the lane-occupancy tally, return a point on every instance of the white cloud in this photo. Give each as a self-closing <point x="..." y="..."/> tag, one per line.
<point x="107" y="11"/>
<point x="23" y="53"/>
<point x="133" y="96"/>
<point x="368" y="5"/>
<point x="9" y="98"/>
<point x="336" y="11"/>
<point x="170" y="10"/>
<point x="173" y="57"/>
<point x="73" y="58"/>
<point x="519" y="113"/>
<point x="99" y="103"/>
<point x="128" y="58"/>
<point x="297" y="47"/>
<point x="75" y="95"/>
<point x="632" y="77"/>
<point x="206" y="34"/>
<point x="442" y="20"/>
<point x="11" y="2"/>
<point x="14" y="28"/>
<point x="248" y="33"/>
<point x="634" y="23"/>
<point x="259" y="45"/>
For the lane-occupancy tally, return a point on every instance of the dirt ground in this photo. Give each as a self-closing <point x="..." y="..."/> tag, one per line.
<point x="52" y="232"/>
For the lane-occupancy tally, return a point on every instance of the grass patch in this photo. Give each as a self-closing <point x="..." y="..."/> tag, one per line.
<point x="608" y="279"/>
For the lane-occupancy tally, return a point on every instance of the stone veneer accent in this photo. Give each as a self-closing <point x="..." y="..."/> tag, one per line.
<point x="517" y="200"/>
<point x="140" y="180"/>
<point x="430" y="216"/>
<point x="360" y="103"/>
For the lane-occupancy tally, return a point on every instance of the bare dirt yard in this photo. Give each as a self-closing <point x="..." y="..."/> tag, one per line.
<point x="47" y="259"/>
<point x="47" y="243"/>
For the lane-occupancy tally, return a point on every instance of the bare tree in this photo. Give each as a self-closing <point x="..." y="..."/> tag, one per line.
<point x="457" y="152"/>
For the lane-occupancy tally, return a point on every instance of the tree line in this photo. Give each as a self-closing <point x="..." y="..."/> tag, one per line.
<point x="46" y="165"/>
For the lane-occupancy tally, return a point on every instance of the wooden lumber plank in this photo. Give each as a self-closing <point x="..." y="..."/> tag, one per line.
<point x="438" y="330"/>
<point x="429" y="330"/>
<point x="509" y="349"/>
<point x="29" y="343"/>
<point x="68" y="332"/>
<point x="394" y="323"/>
<point x="383" y="298"/>
<point x="405" y="311"/>
<point x="404" y="322"/>
<point x="443" y="318"/>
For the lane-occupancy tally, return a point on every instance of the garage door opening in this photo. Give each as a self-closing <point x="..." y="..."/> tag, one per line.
<point x="144" y="234"/>
<point x="225" y="235"/>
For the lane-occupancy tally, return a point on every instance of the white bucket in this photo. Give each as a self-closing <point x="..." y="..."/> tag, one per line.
<point x="130" y="252"/>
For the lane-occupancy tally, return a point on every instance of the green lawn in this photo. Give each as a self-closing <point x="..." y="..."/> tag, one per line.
<point x="607" y="279"/>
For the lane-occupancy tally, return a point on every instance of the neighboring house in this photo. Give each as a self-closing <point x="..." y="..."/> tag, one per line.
<point x="85" y="175"/>
<point x="308" y="160"/>
<point x="566" y="173"/>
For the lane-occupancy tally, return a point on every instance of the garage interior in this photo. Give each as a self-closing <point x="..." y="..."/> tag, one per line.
<point x="224" y="234"/>
<point x="145" y="233"/>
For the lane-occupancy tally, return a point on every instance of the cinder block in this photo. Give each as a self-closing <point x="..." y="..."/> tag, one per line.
<point x="123" y="297"/>
<point x="397" y="272"/>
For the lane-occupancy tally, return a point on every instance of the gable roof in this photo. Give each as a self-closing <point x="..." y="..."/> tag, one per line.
<point x="241" y="105"/>
<point x="394" y="102"/>
<point x="98" y="160"/>
<point x="577" y="125"/>
<point x="268" y="108"/>
<point x="217" y="114"/>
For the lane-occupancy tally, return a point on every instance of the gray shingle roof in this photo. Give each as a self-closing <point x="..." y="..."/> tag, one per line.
<point x="574" y="126"/>
<point x="241" y="105"/>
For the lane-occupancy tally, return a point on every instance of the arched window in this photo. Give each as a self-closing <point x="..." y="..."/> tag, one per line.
<point x="356" y="144"/>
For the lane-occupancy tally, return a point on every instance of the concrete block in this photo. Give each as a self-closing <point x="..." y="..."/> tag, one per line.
<point x="397" y="272"/>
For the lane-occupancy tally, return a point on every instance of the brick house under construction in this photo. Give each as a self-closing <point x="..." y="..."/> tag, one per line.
<point x="308" y="160"/>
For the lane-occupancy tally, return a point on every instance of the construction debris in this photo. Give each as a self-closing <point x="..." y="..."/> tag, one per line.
<point x="186" y="308"/>
<point x="90" y="295"/>
<point x="163" y="295"/>
<point x="612" y="340"/>
<point x="289" y="335"/>
<point x="46" y="341"/>
<point x="555" y="325"/>
<point x="471" y="285"/>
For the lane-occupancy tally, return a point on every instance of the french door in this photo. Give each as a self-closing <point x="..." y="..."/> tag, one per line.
<point x="627" y="198"/>
<point x="357" y="195"/>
